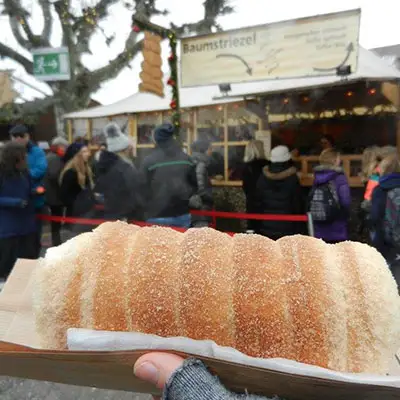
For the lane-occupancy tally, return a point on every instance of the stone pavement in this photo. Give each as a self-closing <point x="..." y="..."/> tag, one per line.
<point x="18" y="389"/>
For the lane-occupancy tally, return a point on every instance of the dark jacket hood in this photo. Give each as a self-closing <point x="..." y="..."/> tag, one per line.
<point x="258" y="162"/>
<point x="106" y="162"/>
<point x="279" y="171"/>
<point x="390" y="181"/>
<point x="200" y="157"/>
<point x="324" y="174"/>
<point x="169" y="147"/>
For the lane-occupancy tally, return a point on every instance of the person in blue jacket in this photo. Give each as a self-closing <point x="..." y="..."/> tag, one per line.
<point x="389" y="180"/>
<point x="37" y="167"/>
<point x="18" y="226"/>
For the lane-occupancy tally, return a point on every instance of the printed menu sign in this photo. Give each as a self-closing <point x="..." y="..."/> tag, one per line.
<point x="312" y="46"/>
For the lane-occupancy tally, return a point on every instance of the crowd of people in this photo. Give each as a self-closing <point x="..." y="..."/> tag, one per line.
<point x="273" y="187"/>
<point x="70" y="182"/>
<point x="381" y="205"/>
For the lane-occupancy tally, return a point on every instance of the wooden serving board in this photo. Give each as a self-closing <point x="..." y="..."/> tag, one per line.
<point x="114" y="370"/>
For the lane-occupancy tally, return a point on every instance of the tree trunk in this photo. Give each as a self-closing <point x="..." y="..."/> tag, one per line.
<point x="68" y="102"/>
<point x="60" y="123"/>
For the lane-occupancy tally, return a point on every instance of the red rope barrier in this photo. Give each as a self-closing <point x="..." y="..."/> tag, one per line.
<point x="213" y="214"/>
<point x="69" y="220"/>
<point x="96" y="222"/>
<point x="260" y="217"/>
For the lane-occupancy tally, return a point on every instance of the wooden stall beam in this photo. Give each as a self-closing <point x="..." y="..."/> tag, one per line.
<point x="132" y="131"/>
<point x="226" y="148"/>
<point x="69" y="130"/>
<point x="195" y="119"/>
<point x="398" y="135"/>
<point x="89" y="130"/>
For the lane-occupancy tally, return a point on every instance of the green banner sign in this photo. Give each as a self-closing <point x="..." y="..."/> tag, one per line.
<point x="50" y="64"/>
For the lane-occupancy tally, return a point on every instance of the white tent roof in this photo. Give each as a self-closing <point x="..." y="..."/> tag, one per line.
<point x="370" y="67"/>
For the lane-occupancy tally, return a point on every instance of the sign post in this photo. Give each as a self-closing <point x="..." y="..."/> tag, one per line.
<point x="314" y="46"/>
<point x="51" y="64"/>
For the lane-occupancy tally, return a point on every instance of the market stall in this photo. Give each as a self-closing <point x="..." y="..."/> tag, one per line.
<point x="359" y="109"/>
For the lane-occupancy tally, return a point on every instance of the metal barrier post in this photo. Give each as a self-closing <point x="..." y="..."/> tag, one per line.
<point x="310" y="225"/>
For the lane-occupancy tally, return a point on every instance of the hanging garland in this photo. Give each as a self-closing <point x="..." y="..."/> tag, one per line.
<point x="138" y="26"/>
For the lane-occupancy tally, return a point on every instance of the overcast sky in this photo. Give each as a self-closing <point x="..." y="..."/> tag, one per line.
<point x="379" y="27"/>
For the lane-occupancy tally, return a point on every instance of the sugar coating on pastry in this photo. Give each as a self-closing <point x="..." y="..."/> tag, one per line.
<point x="334" y="306"/>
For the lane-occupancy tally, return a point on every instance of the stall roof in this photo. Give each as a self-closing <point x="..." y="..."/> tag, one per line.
<point x="370" y="67"/>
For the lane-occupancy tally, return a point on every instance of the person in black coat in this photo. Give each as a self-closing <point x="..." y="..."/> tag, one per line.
<point x="203" y="199"/>
<point x="118" y="181"/>
<point x="170" y="181"/>
<point x="55" y="165"/>
<point x="254" y="162"/>
<point x="279" y="192"/>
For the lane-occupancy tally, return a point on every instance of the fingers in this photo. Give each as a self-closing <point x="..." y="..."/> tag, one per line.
<point x="157" y="368"/>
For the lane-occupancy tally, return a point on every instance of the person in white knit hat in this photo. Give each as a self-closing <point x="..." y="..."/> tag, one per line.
<point x="118" y="181"/>
<point x="279" y="192"/>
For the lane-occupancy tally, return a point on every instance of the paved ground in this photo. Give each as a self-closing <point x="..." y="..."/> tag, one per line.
<point x="17" y="389"/>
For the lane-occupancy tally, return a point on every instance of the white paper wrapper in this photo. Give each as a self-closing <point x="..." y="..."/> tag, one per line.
<point x="83" y="339"/>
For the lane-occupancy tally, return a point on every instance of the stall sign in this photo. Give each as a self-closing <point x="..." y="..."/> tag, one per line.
<point x="313" y="46"/>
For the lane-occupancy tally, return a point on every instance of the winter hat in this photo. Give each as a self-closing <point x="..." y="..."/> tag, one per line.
<point x="116" y="140"/>
<point x="59" y="141"/>
<point x="19" y="130"/>
<point x="280" y="154"/>
<point x="72" y="151"/>
<point x="163" y="133"/>
<point x="200" y="146"/>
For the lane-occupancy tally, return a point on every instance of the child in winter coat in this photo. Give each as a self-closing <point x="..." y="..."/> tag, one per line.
<point x="18" y="229"/>
<point x="329" y="178"/>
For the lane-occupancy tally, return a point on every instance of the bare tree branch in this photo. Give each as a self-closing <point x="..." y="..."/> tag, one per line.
<point x="48" y="21"/>
<point x="86" y="25"/>
<point x="143" y="11"/>
<point x="76" y="34"/>
<point x="62" y="10"/>
<point x="15" y="28"/>
<point x="115" y="66"/>
<point x="8" y="52"/>
<point x="212" y="10"/>
<point x="18" y="16"/>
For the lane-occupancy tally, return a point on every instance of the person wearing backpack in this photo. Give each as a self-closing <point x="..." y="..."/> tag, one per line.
<point x="385" y="211"/>
<point x="330" y="199"/>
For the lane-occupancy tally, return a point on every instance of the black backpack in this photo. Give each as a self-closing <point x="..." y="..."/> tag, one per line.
<point x="391" y="221"/>
<point x="324" y="203"/>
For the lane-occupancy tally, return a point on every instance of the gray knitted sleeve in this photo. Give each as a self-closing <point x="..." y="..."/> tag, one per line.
<point x="193" y="382"/>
